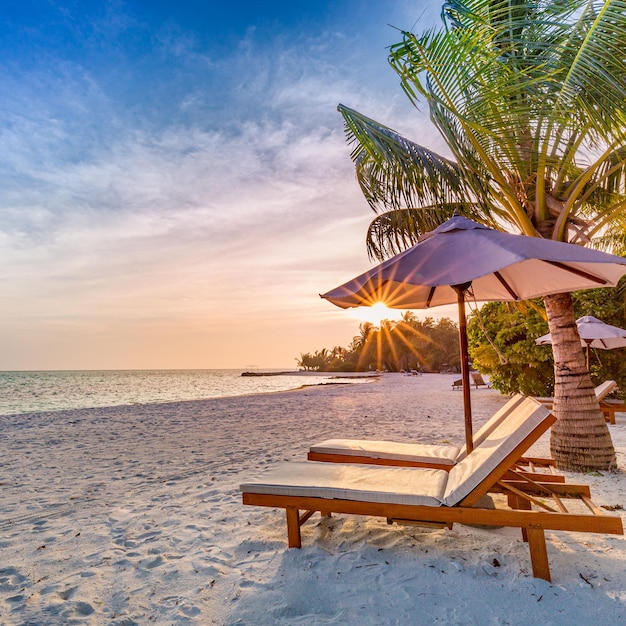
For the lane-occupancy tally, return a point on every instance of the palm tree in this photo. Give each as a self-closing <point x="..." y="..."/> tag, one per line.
<point x="530" y="98"/>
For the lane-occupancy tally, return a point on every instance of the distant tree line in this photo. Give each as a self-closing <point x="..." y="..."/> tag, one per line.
<point x="501" y="343"/>
<point x="408" y="344"/>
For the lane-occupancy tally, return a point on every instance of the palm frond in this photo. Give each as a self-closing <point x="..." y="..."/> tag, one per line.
<point x="594" y="86"/>
<point x="394" y="172"/>
<point x="524" y="88"/>
<point x="394" y="231"/>
<point x="530" y="96"/>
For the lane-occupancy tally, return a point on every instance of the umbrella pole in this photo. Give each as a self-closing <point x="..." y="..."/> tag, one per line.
<point x="467" y="401"/>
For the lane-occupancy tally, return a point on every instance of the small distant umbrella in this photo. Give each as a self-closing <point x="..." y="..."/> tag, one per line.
<point x="594" y="333"/>
<point x="463" y="258"/>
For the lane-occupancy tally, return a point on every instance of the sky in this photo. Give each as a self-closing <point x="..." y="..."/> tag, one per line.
<point x="176" y="189"/>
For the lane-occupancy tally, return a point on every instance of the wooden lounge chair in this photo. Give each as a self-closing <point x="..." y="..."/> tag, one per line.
<point x="478" y="381"/>
<point x="433" y="497"/>
<point x="609" y="407"/>
<point x="433" y="456"/>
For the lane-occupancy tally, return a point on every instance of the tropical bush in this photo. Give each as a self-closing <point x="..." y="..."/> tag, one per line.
<point x="502" y="342"/>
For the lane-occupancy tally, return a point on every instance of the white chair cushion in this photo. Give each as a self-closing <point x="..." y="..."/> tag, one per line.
<point x="415" y="452"/>
<point x="492" y="423"/>
<point x="473" y="469"/>
<point x="604" y="389"/>
<point x="344" y="481"/>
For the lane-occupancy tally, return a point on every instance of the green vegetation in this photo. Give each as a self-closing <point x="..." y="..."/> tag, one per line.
<point x="530" y="98"/>
<point x="408" y="344"/>
<point x="502" y="342"/>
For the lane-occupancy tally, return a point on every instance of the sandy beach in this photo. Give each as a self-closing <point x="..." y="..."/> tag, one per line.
<point x="132" y="515"/>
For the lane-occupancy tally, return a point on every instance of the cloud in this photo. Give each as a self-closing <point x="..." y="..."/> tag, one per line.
<point x="219" y="196"/>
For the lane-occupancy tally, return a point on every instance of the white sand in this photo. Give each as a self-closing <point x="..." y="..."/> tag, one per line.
<point x="133" y="515"/>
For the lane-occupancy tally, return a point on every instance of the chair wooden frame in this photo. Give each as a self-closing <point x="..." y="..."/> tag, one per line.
<point x="541" y="469"/>
<point x="479" y="381"/>
<point x="533" y="523"/>
<point x="609" y="407"/>
<point x="528" y="512"/>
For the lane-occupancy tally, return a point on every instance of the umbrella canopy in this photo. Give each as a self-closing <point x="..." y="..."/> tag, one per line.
<point x="499" y="266"/>
<point x="462" y="258"/>
<point x="594" y="333"/>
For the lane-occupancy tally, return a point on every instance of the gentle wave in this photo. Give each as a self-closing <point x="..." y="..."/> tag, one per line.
<point x="31" y="392"/>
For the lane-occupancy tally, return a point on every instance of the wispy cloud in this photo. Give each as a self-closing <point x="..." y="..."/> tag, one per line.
<point x="241" y="205"/>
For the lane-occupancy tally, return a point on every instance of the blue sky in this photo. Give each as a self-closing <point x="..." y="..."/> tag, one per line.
<point x="175" y="186"/>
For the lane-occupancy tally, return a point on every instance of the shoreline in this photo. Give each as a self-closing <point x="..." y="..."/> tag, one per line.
<point x="126" y="515"/>
<point x="115" y="408"/>
<point x="33" y="392"/>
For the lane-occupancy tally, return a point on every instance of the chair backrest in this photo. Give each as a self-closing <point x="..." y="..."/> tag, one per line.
<point x="478" y="378"/>
<point x="492" y="423"/>
<point x="604" y="389"/>
<point x="472" y="478"/>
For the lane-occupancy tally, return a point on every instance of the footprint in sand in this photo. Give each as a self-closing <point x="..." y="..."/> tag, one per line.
<point x="190" y="611"/>
<point x="15" y="599"/>
<point x="10" y="578"/>
<point x="66" y="594"/>
<point x="151" y="564"/>
<point x="83" y="608"/>
<point x="124" y="622"/>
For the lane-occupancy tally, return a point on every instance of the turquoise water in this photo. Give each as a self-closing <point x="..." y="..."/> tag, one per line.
<point x="27" y="392"/>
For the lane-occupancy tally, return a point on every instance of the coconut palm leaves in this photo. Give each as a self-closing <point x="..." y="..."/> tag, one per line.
<point x="530" y="98"/>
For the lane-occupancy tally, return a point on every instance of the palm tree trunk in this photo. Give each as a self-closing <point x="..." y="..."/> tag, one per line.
<point x="580" y="439"/>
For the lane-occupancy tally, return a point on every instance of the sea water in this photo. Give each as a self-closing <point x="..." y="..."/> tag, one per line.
<point x="28" y="392"/>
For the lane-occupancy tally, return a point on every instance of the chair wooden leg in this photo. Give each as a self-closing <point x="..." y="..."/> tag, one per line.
<point x="515" y="502"/>
<point x="538" y="553"/>
<point x="293" y="527"/>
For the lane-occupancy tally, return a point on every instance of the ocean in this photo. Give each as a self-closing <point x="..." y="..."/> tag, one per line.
<point x="30" y="392"/>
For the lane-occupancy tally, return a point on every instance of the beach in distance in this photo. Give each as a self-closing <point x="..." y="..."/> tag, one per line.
<point x="132" y="514"/>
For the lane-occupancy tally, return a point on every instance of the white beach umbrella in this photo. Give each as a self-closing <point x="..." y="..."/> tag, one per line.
<point x="463" y="259"/>
<point x="594" y="333"/>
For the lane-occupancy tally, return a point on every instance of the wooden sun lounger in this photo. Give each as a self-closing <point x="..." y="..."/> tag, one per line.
<point x="609" y="407"/>
<point x="601" y="391"/>
<point x="477" y="381"/>
<point x="432" y="456"/>
<point x="436" y="497"/>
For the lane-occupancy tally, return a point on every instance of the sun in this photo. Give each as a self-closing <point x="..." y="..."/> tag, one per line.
<point x="375" y="313"/>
